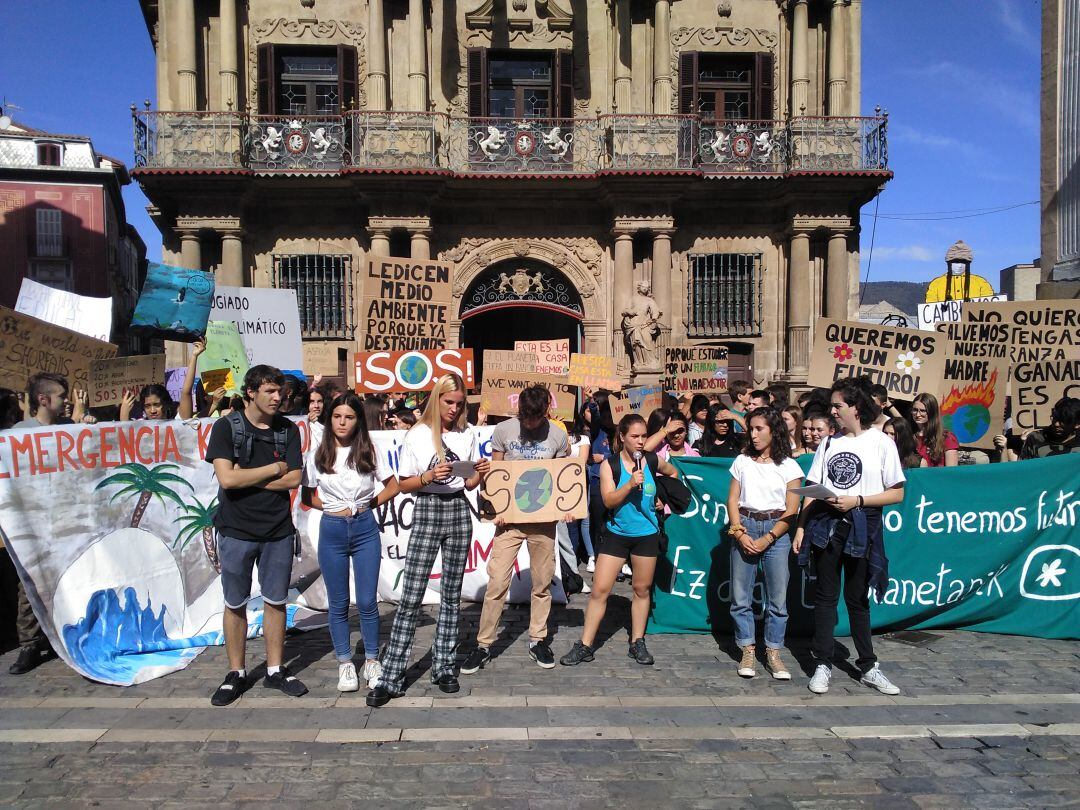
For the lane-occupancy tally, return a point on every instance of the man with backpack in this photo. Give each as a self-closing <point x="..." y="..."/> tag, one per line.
<point x="257" y="461"/>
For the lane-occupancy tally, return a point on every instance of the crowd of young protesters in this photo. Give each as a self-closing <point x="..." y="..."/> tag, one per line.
<point x="860" y="440"/>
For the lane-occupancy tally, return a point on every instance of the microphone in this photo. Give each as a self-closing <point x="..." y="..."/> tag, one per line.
<point x="637" y="460"/>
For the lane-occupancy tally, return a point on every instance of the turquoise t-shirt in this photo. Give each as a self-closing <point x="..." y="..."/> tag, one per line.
<point x="635" y="517"/>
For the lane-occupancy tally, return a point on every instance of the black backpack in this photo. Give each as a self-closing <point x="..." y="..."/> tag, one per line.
<point x="243" y="439"/>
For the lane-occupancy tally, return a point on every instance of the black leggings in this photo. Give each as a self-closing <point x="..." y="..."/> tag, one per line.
<point x="828" y="563"/>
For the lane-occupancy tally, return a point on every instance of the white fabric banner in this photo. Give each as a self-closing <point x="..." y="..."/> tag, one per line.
<point x="79" y="313"/>
<point x="268" y="321"/>
<point x="118" y="572"/>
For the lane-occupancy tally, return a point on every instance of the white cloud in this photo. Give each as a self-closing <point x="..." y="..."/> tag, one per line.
<point x="1016" y="26"/>
<point x="1020" y="108"/>
<point x="932" y="140"/>
<point x="908" y="253"/>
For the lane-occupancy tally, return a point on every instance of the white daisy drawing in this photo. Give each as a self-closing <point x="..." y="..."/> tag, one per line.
<point x="908" y="362"/>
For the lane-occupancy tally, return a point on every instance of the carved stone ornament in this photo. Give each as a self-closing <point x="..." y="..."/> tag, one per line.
<point x="330" y="32"/>
<point x="723" y="8"/>
<point x="718" y="38"/>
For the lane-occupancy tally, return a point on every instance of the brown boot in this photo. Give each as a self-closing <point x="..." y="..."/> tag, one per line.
<point x="748" y="665"/>
<point x="776" y="665"/>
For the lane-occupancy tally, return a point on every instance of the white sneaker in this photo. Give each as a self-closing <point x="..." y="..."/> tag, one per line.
<point x="372" y="673"/>
<point x="590" y="566"/>
<point x="876" y="679"/>
<point x="819" y="683"/>
<point x="626" y="571"/>
<point x="347" y="680"/>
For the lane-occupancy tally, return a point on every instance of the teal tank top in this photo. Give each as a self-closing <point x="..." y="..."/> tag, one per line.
<point x="635" y="517"/>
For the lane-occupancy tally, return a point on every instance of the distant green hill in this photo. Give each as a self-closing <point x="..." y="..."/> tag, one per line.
<point x="904" y="295"/>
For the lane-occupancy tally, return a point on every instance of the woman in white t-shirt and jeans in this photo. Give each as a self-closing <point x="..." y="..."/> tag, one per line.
<point x="442" y="523"/>
<point x="341" y="476"/>
<point x="762" y="505"/>
<point x="844" y="533"/>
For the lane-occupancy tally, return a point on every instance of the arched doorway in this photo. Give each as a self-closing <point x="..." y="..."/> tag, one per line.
<point x="519" y="299"/>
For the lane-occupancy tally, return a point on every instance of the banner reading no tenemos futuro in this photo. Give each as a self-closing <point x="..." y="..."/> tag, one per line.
<point x="988" y="547"/>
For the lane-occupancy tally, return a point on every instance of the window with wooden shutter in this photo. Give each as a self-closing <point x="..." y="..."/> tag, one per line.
<point x="763" y="86"/>
<point x="478" y="82"/>
<point x="563" y="84"/>
<point x="688" y="89"/>
<point x="346" y="55"/>
<point x="266" y="84"/>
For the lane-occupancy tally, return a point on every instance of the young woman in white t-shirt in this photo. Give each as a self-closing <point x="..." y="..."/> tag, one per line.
<point x="341" y="476"/>
<point x="442" y="522"/>
<point x="762" y="506"/>
<point x="844" y="533"/>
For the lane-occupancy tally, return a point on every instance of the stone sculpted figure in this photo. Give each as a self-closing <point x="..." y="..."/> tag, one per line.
<point x="641" y="329"/>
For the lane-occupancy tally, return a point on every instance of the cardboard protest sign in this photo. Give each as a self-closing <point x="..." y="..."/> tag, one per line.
<point x="973" y="389"/>
<point x="110" y="378"/>
<point x="552" y="356"/>
<point x="29" y="346"/>
<point x="930" y="315"/>
<point x="401" y="372"/>
<point x="268" y="321"/>
<point x="224" y="349"/>
<point x="499" y="394"/>
<point x="695" y="369"/>
<point x="79" y="313"/>
<point x="216" y="378"/>
<point x="1036" y="387"/>
<point x="645" y="398"/>
<point x="1039" y="331"/>
<point x="620" y="407"/>
<point x="514" y="361"/>
<point x="539" y="491"/>
<point x="907" y="362"/>
<point x="406" y="303"/>
<point x="323" y="358"/>
<point x="594" y="371"/>
<point x="174" y="303"/>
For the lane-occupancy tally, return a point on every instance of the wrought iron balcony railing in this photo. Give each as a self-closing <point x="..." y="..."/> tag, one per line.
<point x="378" y="140"/>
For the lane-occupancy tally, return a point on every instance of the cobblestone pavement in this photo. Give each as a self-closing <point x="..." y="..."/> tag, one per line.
<point x="983" y="721"/>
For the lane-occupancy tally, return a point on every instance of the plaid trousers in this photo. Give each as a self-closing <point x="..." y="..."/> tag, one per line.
<point x="438" y="525"/>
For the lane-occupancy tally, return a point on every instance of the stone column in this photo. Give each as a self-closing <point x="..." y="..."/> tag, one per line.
<point x="420" y="243"/>
<point x="232" y="258"/>
<point x="662" y="58"/>
<point x="184" y="52"/>
<point x="228" y="55"/>
<point x="837" y="59"/>
<point x="799" y="302"/>
<point x="418" y="76"/>
<point x="161" y="34"/>
<point x="380" y="242"/>
<point x="377" y="71"/>
<point x="661" y="277"/>
<point x="190" y="249"/>
<point x="836" y="276"/>
<point x="800" y="58"/>
<point x="622" y="284"/>
<point x="623" y="57"/>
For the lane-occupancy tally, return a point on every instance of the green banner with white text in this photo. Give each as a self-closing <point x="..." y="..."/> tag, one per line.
<point x="990" y="547"/>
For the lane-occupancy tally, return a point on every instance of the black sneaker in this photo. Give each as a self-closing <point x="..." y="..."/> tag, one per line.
<point x="579" y="654"/>
<point x="286" y="682"/>
<point x="31" y="658"/>
<point x="447" y="682"/>
<point x="231" y="688"/>
<point x="640" y="653"/>
<point x="541" y="653"/>
<point x="475" y="661"/>
<point x="380" y="696"/>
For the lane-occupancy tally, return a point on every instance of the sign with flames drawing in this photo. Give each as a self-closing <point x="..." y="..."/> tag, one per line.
<point x="974" y="385"/>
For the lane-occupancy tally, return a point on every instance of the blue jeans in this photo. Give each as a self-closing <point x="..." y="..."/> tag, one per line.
<point x="354" y="539"/>
<point x="774" y="564"/>
<point x="580" y="537"/>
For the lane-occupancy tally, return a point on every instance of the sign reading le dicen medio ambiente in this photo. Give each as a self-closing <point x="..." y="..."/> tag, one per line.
<point x="406" y="304"/>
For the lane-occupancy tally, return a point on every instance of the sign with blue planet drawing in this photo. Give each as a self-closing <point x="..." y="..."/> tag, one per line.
<point x="537" y="491"/>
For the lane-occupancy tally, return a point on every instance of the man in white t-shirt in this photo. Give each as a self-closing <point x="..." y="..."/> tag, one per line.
<point x="529" y="437"/>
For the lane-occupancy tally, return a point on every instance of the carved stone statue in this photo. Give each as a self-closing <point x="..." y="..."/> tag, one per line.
<point x="641" y="329"/>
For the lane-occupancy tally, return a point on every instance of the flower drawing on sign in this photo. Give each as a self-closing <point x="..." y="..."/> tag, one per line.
<point x="843" y="352"/>
<point x="908" y="362"/>
<point x="1051" y="573"/>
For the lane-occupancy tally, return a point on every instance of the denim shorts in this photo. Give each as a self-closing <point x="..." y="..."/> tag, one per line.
<point x="274" y="559"/>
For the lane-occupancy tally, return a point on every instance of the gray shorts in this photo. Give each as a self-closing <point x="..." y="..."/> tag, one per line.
<point x="274" y="558"/>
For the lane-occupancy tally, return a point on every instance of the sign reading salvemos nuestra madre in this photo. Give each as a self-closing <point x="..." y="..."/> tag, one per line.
<point x="1037" y="386"/>
<point x="908" y="362"/>
<point x="976" y="376"/>
<point x="695" y="369"/>
<point x="552" y="356"/>
<point x="500" y="391"/>
<point x="537" y="491"/>
<point x="29" y="346"/>
<point x="406" y="304"/>
<point x="110" y="378"/>
<point x="594" y="371"/>
<point x="401" y="372"/>
<point x="1039" y="331"/>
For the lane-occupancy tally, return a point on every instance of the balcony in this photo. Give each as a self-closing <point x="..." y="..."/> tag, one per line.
<point x="375" y="141"/>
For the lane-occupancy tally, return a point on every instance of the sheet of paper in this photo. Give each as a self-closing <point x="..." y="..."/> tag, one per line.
<point x="814" y="491"/>
<point x="464" y="469"/>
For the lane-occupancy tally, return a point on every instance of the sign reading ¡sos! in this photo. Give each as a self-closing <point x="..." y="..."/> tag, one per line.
<point x="400" y="372"/>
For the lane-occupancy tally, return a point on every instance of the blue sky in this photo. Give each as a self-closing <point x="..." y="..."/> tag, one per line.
<point x="960" y="79"/>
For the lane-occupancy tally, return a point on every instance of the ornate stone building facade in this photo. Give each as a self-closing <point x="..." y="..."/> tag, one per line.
<point x="563" y="154"/>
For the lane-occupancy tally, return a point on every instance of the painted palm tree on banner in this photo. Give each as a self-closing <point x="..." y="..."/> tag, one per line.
<point x="148" y="483"/>
<point x="199" y="519"/>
